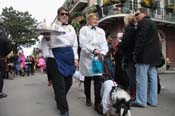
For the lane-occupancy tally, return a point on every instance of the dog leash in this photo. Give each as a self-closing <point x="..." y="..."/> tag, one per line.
<point x="107" y="73"/>
<point x="105" y="68"/>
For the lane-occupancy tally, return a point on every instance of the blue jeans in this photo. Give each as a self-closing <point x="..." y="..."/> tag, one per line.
<point x="146" y="85"/>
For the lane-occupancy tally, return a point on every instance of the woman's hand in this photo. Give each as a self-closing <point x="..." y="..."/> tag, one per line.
<point x="47" y="37"/>
<point x="96" y="52"/>
<point x="76" y="63"/>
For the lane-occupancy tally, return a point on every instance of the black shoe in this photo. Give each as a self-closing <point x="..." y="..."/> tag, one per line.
<point x="2" y="95"/>
<point x="88" y="102"/>
<point x="152" y="105"/>
<point x="99" y="109"/>
<point x="65" y="114"/>
<point x="134" y="104"/>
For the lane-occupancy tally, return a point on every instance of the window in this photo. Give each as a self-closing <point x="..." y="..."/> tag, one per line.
<point x="159" y="10"/>
<point x="135" y="4"/>
<point x="130" y="4"/>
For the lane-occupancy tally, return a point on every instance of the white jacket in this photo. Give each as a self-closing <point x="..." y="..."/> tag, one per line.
<point x="65" y="40"/>
<point x="90" y="39"/>
<point x="46" y="51"/>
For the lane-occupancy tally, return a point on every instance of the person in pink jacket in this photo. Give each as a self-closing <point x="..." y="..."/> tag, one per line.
<point x="41" y="64"/>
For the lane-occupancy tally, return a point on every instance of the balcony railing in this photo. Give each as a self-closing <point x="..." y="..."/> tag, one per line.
<point x="159" y="13"/>
<point x="162" y="14"/>
<point x="112" y="9"/>
<point x="72" y="3"/>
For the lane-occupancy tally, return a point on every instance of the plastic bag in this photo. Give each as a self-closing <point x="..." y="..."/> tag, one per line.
<point x="97" y="66"/>
<point x="77" y="75"/>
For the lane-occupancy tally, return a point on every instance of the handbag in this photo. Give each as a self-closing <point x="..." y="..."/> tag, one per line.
<point x="162" y="61"/>
<point x="97" y="65"/>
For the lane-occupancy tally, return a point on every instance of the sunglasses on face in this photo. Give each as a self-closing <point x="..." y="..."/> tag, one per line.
<point x="137" y="14"/>
<point x="64" y="14"/>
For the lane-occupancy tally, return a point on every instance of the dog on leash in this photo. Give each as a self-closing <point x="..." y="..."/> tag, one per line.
<point x="115" y="100"/>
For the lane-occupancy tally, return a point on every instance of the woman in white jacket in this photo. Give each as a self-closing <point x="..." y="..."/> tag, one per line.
<point x="93" y="43"/>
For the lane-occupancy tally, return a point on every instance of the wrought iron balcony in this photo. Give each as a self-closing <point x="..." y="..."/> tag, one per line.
<point x="76" y="4"/>
<point x="116" y="9"/>
<point x="162" y="14"/>
<point x="165" y="14"/>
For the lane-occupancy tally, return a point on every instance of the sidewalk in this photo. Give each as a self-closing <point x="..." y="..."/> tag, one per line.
<point x="168" y="72"/>
<point x="30" y="96"/>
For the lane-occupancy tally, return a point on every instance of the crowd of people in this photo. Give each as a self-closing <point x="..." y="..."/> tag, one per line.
<point x="128" y="57"/>
<point x="19" y="65"/>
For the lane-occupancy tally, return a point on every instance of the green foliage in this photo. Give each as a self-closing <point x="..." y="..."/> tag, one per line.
<point x="19" y="26"/>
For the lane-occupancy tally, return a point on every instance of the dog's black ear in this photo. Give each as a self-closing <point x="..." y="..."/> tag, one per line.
<point x="112" y="90"/>
<point x="113" y="87"/>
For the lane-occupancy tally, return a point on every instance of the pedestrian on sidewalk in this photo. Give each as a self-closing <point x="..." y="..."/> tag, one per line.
<point x="126" y="48"/>
<point x="64" y="48"/>
<point x="5" y="49"/>
<point x="47" y="54"/>
<point x="93" y="44"/>
<point x="147" y="45"/>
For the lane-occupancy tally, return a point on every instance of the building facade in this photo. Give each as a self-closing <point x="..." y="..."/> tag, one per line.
<point x="111" y="13"/>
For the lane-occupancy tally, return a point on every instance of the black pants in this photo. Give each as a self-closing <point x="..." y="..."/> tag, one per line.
<point x="61" y="86"/>
<point x="1" y="81"/>
<point x="32" y="69"/>
<point x="2" y="72"/>
<point x="49" y="68"/>
<point x="97" y="88"/>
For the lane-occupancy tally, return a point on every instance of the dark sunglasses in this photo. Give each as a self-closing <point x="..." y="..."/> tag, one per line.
<point x="66" y="14"/>
<point x="137" y="14"/>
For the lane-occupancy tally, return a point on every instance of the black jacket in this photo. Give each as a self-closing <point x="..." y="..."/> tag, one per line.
<point x="124" y="55"/>
<point x="126" y="47"/>
<point x="147" y="47"/>
<point x="5" y="49"/>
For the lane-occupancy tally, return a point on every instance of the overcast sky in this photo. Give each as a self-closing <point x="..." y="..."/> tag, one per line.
<point x="40" y="9"/>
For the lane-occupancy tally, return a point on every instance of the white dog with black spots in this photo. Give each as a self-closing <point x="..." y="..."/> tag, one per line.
<point x="115" y="100"/>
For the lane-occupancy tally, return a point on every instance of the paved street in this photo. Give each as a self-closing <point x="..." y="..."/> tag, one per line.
<point x="30" y="96"/>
